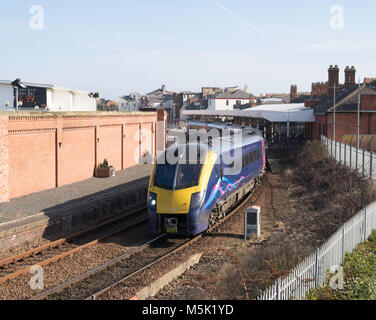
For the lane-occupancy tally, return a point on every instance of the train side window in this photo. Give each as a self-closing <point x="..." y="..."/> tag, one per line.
<point x="216" y="171"/>
<point x="258" y="154"/>
<point x="254" y="155"/>
<point x="250" y="158"/>
<point x="245" y="160"/>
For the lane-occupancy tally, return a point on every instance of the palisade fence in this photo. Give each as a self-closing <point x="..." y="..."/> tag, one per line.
<point x="312" y="272"/>
<point x="364" y="161"/>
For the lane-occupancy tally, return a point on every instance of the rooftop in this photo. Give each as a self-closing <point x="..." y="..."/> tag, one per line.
<point x="46" y="86"/>
<point x="238" y="94"/>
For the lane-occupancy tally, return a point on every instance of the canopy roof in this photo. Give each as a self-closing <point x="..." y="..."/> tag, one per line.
<point x="293" y="112"/>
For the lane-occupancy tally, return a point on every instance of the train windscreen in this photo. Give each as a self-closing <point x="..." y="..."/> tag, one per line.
<point x="183" y="174"/>
<point x="164" y="176"/>
<point x="178" y="176"/>
<point x="188" y="175"/>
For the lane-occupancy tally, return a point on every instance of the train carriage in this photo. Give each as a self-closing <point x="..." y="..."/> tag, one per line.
<point x="191" y="194"/>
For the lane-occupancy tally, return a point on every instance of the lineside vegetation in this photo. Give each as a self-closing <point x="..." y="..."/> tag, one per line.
<point x="308" y="201"/>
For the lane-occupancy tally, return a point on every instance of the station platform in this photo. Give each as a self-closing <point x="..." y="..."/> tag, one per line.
<point x="58" y="211"/>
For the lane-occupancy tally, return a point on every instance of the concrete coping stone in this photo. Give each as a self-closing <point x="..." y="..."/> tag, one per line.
<point x="16" y="221"/>
<point x="160" y="283"/>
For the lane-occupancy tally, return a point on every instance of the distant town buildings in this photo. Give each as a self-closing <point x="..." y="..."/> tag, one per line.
<point x="320" y="101"/>
<point x="175" y="103"/>
<point x="130" y="102"/>
<point x="107" y="105"/>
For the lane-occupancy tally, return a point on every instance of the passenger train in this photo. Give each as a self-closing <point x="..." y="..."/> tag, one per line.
<point x="188" y="197"/>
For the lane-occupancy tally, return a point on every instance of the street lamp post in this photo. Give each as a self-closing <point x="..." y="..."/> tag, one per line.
<point x="358" y="126"/>
<point x="16" y="89"/>
<point x="17" y="84"/>
<point x="334" y="115"/>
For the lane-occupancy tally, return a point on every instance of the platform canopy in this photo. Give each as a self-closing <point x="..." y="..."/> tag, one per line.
<point x="293" y="112"/>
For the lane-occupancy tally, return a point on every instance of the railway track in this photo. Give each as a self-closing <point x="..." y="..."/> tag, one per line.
<point x="18" y="265"/>
<point x="102" y="279"/>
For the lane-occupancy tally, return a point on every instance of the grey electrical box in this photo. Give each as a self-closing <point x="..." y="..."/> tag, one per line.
<point x="252" y="223"/>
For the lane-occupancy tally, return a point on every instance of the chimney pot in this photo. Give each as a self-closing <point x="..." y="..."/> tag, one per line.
<point x="333" y="80"/>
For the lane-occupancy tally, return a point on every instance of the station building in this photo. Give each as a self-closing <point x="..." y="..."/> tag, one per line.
<point x="283" y="119"/>
<point x="343" y="98"/>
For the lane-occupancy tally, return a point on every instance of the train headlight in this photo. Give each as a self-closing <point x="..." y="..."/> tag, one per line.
<point x="196" y="200"/>
<point x="152" y="201"/>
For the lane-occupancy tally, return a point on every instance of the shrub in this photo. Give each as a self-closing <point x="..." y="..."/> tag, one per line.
<point x="359" y="276"/>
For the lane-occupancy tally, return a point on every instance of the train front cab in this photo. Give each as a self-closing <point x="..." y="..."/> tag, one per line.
<point x="176" y="195"/>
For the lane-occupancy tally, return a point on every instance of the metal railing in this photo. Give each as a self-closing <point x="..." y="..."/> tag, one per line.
<point x="312" y="272"/>
<point x="364" y="161"/>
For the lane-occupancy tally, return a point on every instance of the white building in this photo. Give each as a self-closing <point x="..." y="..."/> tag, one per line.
<point x="46" y="97"/>
<point x="227" y="101"/>
<point x="6" y="96"/>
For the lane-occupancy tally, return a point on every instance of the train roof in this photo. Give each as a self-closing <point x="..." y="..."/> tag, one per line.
<point x="198" y="123"/>
<point x="222" y="125"/>
<point x="218" y="125"/>
<point x="231" y="144"/>
<point x="216" y="145"/>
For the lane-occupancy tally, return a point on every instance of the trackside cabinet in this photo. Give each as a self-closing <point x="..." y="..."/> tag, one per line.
<point x="252" y="222"/>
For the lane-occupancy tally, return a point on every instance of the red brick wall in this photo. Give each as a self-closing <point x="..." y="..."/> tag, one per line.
<point x="51" y="150"/>
<point x="368" y="102"/>
<point x="132" y="131"/>
<point x="109" y="145"/>
<point x="319" y="127"/>
<point x="71" y="150"/>
<point x="4" y="159"/>
<point x="346" y="124"/>
<point x="32" y="161"/>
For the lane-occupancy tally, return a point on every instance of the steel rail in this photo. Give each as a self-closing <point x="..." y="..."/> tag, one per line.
<point x="60" y="242"/>
<point x="186" y="244"/>
<point x="95" y="270"/>
<point x="178" y="249"/>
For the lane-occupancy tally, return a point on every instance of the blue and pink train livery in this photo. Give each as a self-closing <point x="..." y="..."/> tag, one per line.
<point x="186" y="198"/>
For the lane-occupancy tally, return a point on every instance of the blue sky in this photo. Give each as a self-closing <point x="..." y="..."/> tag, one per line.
<point x="117" y="47"/>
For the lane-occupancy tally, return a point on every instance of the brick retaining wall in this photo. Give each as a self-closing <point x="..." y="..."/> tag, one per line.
<point x="40" y="151"/>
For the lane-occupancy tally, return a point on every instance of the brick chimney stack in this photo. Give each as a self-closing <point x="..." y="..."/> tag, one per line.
<point x="350" y="76"/>
<point x="333" y="80"/>
<point x="293" y="92"/>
